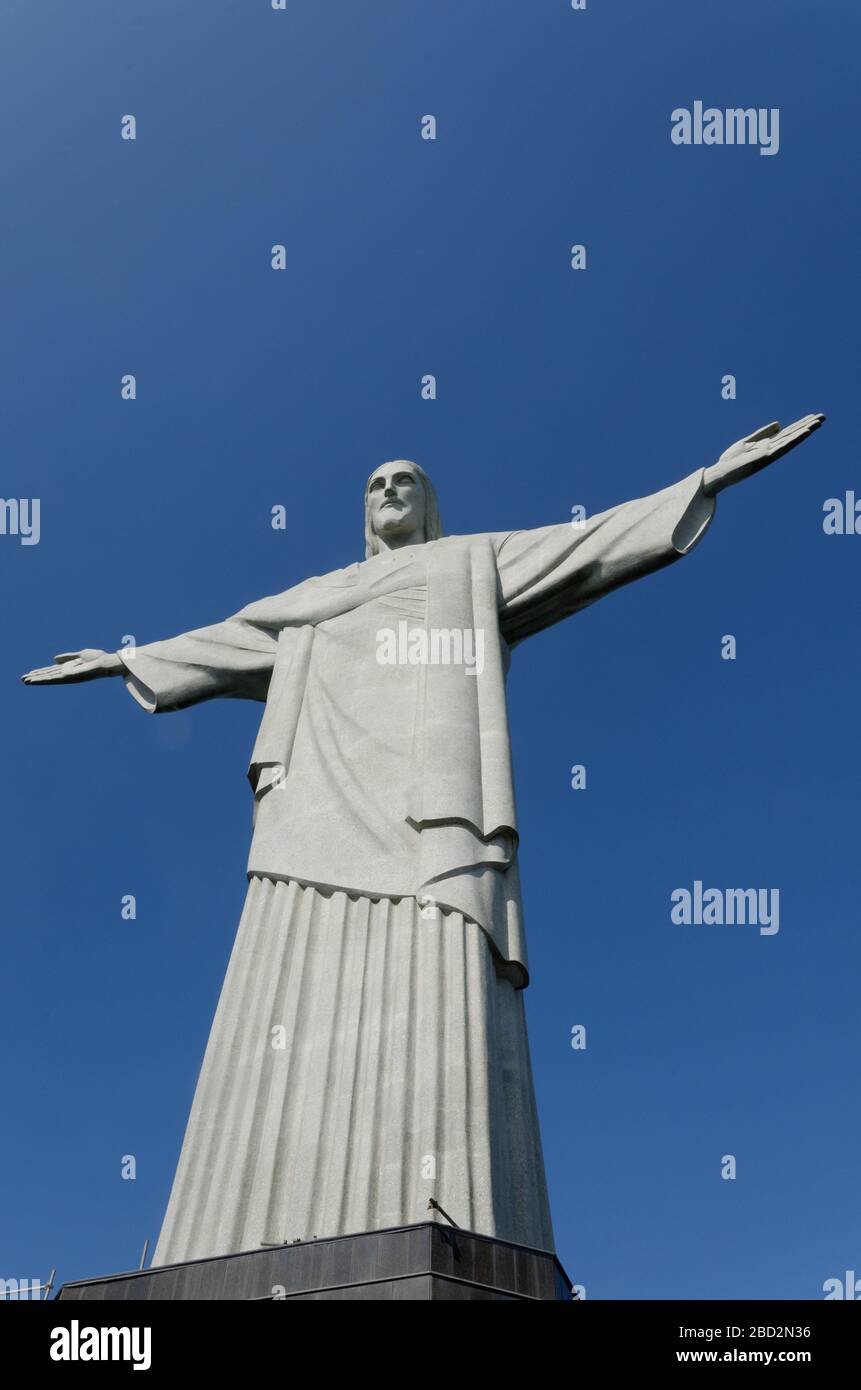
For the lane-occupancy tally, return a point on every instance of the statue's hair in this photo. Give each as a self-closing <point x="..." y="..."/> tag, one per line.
<point x="433" y="525"/>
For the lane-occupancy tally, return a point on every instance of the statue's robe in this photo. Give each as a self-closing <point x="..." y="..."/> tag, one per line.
<point x="369" y="1050"/>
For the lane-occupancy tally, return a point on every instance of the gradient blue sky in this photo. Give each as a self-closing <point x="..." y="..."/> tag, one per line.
<point x="555" y="388"/>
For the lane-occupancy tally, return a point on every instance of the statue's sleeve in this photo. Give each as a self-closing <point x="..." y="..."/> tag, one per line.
<point x="549" y="573"/>
<point x="232" y="659"/>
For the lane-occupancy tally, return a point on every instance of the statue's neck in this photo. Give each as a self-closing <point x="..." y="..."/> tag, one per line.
<point x="399" y="542"/>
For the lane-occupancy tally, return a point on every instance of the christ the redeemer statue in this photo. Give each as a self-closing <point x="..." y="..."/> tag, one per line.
<point x="369" y="1049"/>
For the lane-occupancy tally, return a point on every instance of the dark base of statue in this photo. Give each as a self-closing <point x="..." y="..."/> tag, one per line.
<point x="406" y="1263"/>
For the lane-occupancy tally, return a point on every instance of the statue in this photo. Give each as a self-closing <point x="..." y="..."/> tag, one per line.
<point x="369" y="1050"/>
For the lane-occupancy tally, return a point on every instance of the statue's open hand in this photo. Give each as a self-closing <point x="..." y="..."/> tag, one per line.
<point x="757" y="451"/>
<point x="86" y="665"/>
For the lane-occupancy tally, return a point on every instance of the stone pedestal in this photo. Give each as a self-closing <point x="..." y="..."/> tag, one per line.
<point x="406" y="1263"/>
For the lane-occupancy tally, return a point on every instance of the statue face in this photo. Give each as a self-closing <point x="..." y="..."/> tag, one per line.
<point x="396" y="500"/>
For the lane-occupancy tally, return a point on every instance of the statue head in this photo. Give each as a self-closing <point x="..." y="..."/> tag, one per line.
<point x="400" y="506"/>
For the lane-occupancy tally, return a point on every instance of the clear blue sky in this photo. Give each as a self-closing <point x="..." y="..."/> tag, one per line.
<point x="555" y="387"/>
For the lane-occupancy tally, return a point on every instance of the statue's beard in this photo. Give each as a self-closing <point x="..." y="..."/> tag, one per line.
<point x="398" y="523"/>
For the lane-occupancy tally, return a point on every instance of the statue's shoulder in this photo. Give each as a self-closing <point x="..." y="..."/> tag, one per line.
<point x="474" y="540"/>
<point x="337" y="578"/>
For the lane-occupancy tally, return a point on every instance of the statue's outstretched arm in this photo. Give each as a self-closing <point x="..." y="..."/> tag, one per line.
<point x="549" y="573"/>
<point x="233" y="659"/>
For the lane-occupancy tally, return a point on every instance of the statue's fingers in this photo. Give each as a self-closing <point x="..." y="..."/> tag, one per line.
<point x="67" y="656"/>
<point x="44" y="677"/>
<point x="59" y="672"/>
<point x="792" y="435"/>
<point x="810" y="422"/>
<point x="765" y="432"/>
<point x="787" y="438"/>
<point x="802" y="428"/>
